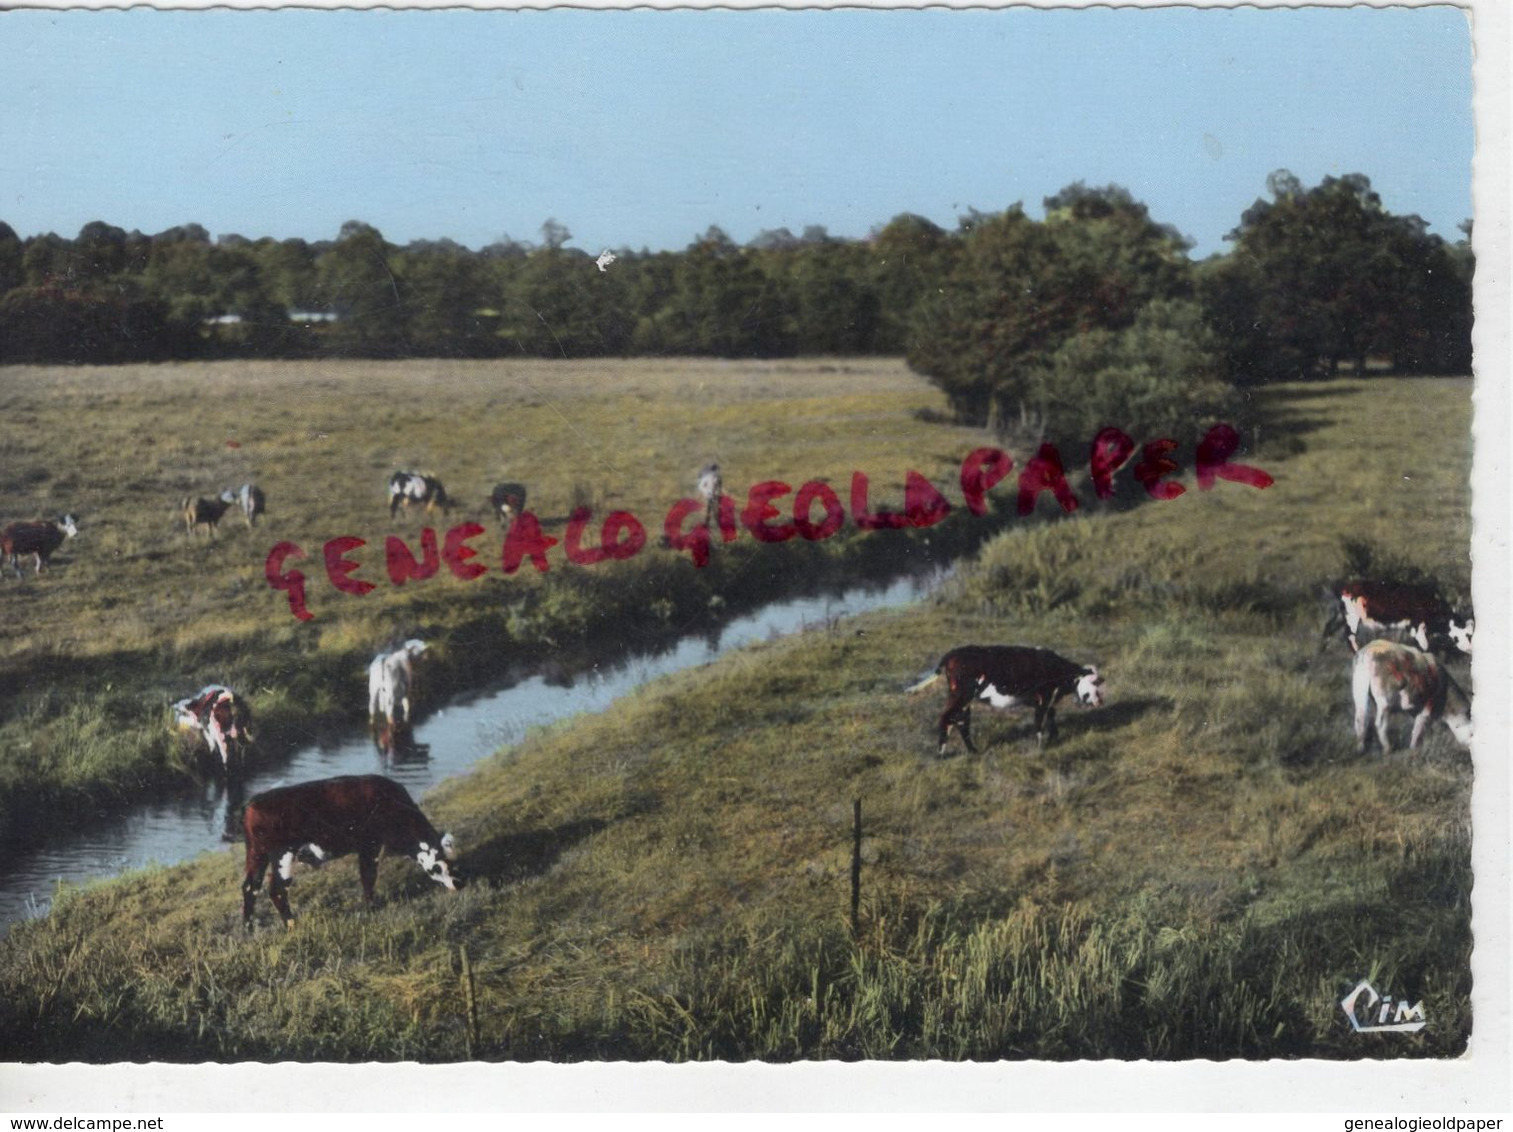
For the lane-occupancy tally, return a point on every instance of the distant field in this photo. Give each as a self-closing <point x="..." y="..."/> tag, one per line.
<point x="136" y="614"/>
<point x="1196" y="870"/>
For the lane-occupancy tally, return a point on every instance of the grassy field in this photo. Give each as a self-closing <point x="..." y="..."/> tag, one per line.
<point x="1198" y="869"/>
<point x="136" y="614"/>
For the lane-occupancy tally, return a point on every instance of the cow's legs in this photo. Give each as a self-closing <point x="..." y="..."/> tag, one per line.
<point x="1045" y="725"/>
<point x="1362" y="722"/>
<point x="1381" y="726"/>
<point x="278" y="888"/>
<point x="257" y="864"/>
<point x="960" y="715"/>
<point x="367" y="872"/>
<point x="1420" y="725"/>
<point x="964" y="725"/>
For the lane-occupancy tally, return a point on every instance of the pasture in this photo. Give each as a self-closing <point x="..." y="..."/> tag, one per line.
<point x="1195" y="869"/>
<point x="135" y="613"/>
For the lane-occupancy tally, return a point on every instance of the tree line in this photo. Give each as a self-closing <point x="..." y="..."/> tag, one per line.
<point x="1095" y="304"/>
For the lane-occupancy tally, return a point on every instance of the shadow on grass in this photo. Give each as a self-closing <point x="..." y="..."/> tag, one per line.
<point x="518" y="856"/>
<point x="1016" y="732"/>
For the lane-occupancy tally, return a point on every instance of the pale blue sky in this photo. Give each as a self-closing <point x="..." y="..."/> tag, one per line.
<point x="643" y="128"/>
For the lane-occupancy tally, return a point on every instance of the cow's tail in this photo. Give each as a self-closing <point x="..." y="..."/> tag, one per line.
<point x="925" y="683"/>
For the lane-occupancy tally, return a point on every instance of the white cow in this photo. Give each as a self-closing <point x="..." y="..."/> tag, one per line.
<point x="390" y="677"/>
<point x="1401" y="678"/>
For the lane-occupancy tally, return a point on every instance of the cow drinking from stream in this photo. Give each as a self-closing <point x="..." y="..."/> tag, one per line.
<point x="1008" y="676"/>
<point x="331" y="817"/>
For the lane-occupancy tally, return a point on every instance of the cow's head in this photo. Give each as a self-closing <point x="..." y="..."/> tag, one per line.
<point x="1460" y="631"/>
<point x="433" y="859"/>
<point x="1460" y="726"/>
<point x="70" y="526"/>
<point x="413" y="647"/>
<point x="1090" y="688"/>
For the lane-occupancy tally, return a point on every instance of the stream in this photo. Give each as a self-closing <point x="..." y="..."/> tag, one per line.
<point x="448" y="740"/>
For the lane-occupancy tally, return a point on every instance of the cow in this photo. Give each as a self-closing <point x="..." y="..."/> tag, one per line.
<point x="408" y="489"/>
<point x="331" y="817"/>
<point x="221" y="716"/>
<point x="391" y="677"/>
<point x="508" y="500"/>
<point x="710" y="486"/>
<point x="36" y="537"/>
<point x="1397" y="608"/>
<point x="1397" y="677"/>
<point x="202" y="512"/>
<point x="249" y="497"/>
<point x="1007" y="676"/>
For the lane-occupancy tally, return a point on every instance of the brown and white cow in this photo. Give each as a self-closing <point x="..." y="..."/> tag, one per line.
<point x="508" y="500"/>
<point x="221" y="716"/>
<point x="413" y="489"/>
<point x="1398" y="608"/>
<point x="37" y="538"/>
<point x="1009" y="676"/>
<point x="331" y="817"/>
<point x="1397" y="677"/>
<point x="202" y="512"/>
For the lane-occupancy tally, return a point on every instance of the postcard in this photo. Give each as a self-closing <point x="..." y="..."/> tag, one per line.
<point x="577" y="553"/>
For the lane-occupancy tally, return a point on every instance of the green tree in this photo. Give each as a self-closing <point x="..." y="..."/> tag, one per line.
<point x="357" y="279"/>
<point x="1327" y="275"/>
<point x="911" y="257"/>
<point x="12" y="269"/>
<point x="1018" y="289"/>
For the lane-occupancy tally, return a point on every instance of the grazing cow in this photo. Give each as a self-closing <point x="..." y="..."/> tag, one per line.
<point x="409" y="489"/>
<point x="221" y="716"/>
<point x="1398" y="608"/>
<point x="202" y="512"/>
<point x="249" y="497"/>
<point x="711" y="486"/>
<point x="37" y="538"/>
<point x="362" y="814"/>
<point x="1007" y="676"/>
<point x="508" y="500"/>
<point x="1401" y="678"/>
<point x="391" y="677"/>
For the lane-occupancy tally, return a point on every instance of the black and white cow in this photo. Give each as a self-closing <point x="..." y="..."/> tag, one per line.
<point x="37" y="538"/>
<point x="1009" y="676"/>
<point x="411" y="489"/>
<point x="1395" y="677"/>
<point x="391" y="676"/>
<point x="331" y="817"/>
<point x="508" y="500"/>
<point x="249" y="497"/>
<point x="1397" y="608"/>
<point x="221" y="716"/>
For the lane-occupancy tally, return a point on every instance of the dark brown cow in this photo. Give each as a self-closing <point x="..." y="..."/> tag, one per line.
<point x="202" y="512"/>
<point x="37" y="538"/>
<point x="1007" y="676"/>
<point x="508" y="500"/>
<point x="1398" y="608"/>
<point x="362" y="814"/>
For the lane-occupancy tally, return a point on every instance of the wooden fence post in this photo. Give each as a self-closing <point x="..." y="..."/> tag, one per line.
<point x="472" y="1003"/>
<point x="856" y="866"/>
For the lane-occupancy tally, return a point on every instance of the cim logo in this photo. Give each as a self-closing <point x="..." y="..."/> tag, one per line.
<point x="1361" y="1007"/>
